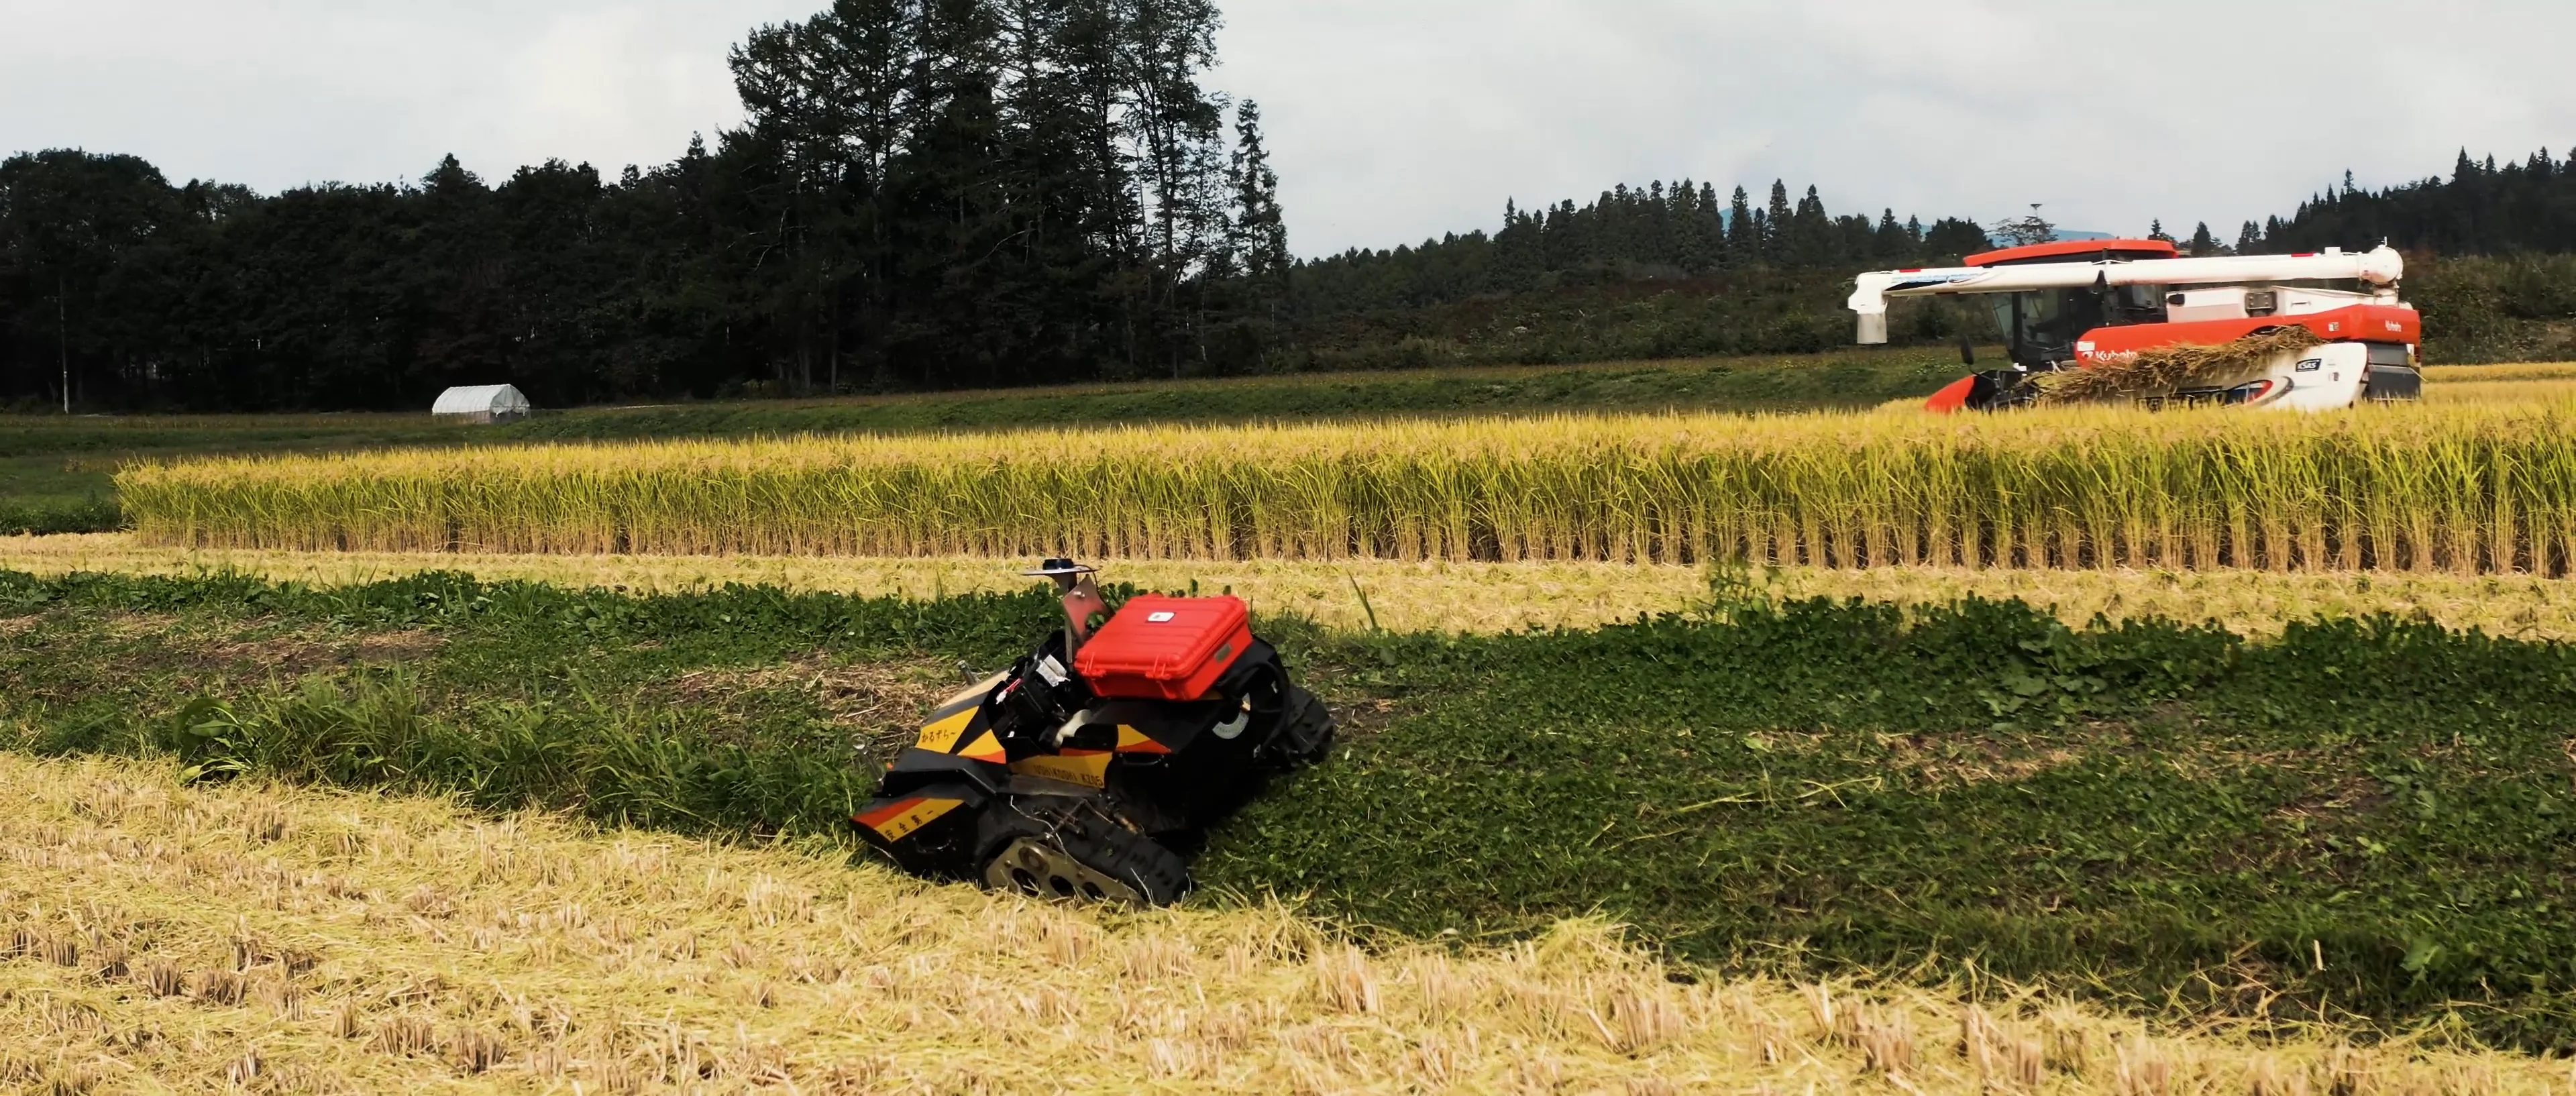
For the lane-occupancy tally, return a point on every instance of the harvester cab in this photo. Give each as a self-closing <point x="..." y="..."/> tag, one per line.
<point x="1093" y="767"/>
<point x="2307" y="332"/>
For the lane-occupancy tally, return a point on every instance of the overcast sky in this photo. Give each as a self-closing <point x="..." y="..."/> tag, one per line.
<point x="1393" y="120"/>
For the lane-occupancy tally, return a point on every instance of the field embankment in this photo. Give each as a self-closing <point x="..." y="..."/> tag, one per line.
<point x="1429" y="595"/>
<point x="2356" y="820"/>
<point x="2462" y="488"/>
<point x="265" y="938"/>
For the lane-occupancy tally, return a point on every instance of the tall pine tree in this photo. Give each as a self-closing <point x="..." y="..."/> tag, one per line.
<point x="1778" y="221"/>
<point x="1259" y="232"/>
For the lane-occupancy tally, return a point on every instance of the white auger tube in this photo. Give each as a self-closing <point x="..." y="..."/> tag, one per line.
<point x="2381" y="266"/>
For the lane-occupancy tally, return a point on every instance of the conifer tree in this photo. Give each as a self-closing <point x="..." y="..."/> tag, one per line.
<point x="1709" y="230"/>
<point x="1776" y="222"/>
<point x="2202" y="242"/>
<point x="1259" y="233"/>
<point x="1743" y="244"/>
<point x="1889" y="242"/>
<point x="1811" y="232"/>
<point x="1952" y="238"/>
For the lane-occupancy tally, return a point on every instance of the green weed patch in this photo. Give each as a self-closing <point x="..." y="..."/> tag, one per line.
<point x="43" y="518"/>
<point x="2364" y="816"/>
<point x="2359" y="817"/>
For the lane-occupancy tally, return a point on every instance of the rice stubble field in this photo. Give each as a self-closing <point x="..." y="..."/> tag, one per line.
<point x="256" y="937"/>
<point x="1427" y="595"/>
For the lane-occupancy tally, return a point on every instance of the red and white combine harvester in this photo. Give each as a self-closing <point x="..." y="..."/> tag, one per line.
<point x="2308" y="332"/>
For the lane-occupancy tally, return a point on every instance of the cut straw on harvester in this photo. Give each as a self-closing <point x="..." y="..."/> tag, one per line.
<point x="2174" y="368"/>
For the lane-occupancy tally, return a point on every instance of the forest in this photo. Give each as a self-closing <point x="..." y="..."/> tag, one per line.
<point x="953" y="194"/>
<point x="941" y="194"/>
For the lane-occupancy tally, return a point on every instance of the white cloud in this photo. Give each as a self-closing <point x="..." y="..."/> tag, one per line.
<point x="284" y="92"/>
<point x="1394" y="120"/>
<point x="605" y="78"/>
<point x="2113" y="114"/>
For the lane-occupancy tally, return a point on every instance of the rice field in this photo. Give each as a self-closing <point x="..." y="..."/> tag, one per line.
<point x="159" y="936"/>
<point x="1431" y="596"/>
<point x="2468" y="486"/>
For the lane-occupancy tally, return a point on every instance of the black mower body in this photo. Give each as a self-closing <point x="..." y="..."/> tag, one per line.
<point x="1122" y="786"/>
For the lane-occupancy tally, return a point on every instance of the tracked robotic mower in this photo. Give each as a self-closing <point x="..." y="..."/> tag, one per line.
<point x="1091" y="769"/>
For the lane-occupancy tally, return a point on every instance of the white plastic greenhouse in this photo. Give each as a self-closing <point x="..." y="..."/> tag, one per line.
<point x="482" y="403"/>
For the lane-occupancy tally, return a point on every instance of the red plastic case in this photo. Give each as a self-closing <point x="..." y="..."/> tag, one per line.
<point x="1165" y="648"/>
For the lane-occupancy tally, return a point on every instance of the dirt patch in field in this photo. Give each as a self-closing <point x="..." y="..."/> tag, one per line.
<point x="293" y="655"/>
<point x="1953" y="762"/>
<point x="194" y="651"/>
<point x="1997" y="768"/>
<point x="1361" y="717"/>
<point x="2357" y="795"/>
<point x="1359" y="709"/>
<point x="881" y="701"/>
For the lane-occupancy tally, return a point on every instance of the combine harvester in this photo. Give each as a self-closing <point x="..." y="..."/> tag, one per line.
<point x="2131" y="320"/>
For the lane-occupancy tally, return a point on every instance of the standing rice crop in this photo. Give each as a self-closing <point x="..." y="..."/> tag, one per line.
<point x="2454" y="487"/>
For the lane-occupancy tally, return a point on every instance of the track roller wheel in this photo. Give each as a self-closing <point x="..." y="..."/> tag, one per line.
<point x="1305" y="733"/>
<point x="1106" y="864"/>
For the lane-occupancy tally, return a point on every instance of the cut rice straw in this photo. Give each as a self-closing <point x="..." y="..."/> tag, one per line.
<point x="2167" y="369"/>
<point x="258" y="937"/>
<point x="1473" y="598"/>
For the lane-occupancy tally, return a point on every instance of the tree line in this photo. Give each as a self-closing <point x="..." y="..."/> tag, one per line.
<point x="2482" y="210"/>
<point x="925" y="193"/>
<point x="1683" y="232"/>
<point x="1628" y="234"/>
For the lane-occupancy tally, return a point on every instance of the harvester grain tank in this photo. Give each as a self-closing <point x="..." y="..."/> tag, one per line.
<point x="2322" y="331"/>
